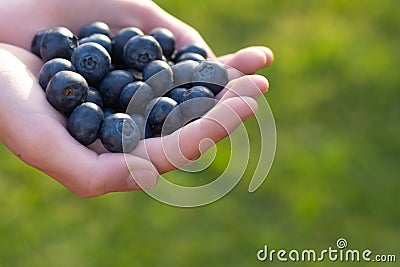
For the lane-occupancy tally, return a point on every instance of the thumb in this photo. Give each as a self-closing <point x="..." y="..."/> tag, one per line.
<point x="117" y="172"/>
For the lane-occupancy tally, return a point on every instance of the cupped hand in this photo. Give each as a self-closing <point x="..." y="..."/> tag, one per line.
<point x="36" y="133"/>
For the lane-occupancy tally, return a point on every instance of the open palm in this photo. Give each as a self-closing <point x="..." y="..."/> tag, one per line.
<point x="36" y="132"/>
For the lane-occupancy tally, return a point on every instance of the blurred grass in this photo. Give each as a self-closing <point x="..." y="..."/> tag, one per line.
<point x="335" y="97"/>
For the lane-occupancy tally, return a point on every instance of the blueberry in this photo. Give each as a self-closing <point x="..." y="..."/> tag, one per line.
<point x="178" y="94"/>
<point x="192" y="48"/>
<point x="157" y="112"/>
<point x="145" y="129"/>
<point x="100" y="39"/>
<point x="173" y="122"/>
<point x="92" y="61"/>
<point x="93" y="28"/>
<point x="94" y="96"/>
<point x="199" y="100"/>
<point x="36" y="41"/>
<point x="190" y="56"/>
<point x="84" y="123"/>
<point x="58" y="42"/>
<point x="212" y="74"/>
<point x="66" y="90"/>
<point x="109" y="111"/>
<point x="119" y="41"/>
<point x="136" y="74"/>
<point x="51" y="67"/>
<point x="135" y="97"/>
<point x="158" y="74"/>
<point x="166" y="39"/>
<point x="111" y="86"/>
<point x="140" y="50"/>
<point x="183" y="73"/>
<point x="119" y="133"/>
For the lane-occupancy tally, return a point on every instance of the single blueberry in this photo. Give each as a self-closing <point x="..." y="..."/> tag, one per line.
<point x="100" y="39"/>
<point x="92" y="61"/>
<point x="111" y="87"/>
<point x="183" y="73"/>
<point x="109" y="111"/>
<point x="140" y="50"/>
<point x="93" y="28"/>
<point x="199" y="91"/>
<point x="119" y="133"/>
<point x="138" y="75"/>
<point x="66" y="90"/>
<point x="119" y="41"/>
<point x="192" y="48"/>
<point x="84" y="123"/>
<point x="173" y="121"/>
<point x="158" y="74"/>
<point x="36" y="41"/>
<point x="51" y="67"/>
<point x="211" y="74"/>
<point x="94" y="96"/>
<point x="163" y="114"/>
<point x="166" y="39"/>
<point x="135" y="97"/>
<point x="190" y="56"/>
<point x="178" y="94"/>
<point x="58" y="42"/>
<point x="199" y="100"/>
<point x="145" y="129"/>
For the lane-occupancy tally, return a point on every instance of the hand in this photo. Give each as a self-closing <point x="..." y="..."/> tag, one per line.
<point x="36" y="133"/>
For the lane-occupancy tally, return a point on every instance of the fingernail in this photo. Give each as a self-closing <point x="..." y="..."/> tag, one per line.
<point x="141" y="179"/>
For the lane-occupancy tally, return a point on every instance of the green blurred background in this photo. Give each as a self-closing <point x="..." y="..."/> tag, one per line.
<point x="335" y="97"/>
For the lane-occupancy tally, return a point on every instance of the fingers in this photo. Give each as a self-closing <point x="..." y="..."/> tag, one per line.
<point x="186" y="144"/>
<point x="248" y="60"/>
<point x="250" y="85"/>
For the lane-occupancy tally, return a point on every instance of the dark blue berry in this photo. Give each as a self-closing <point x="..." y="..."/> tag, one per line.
<point x="119" y="133"/>
<point x="51" y="67"/>
<point x="173" y="122"/>
<point x="111" y="86"/>
<point x="190" y="56"/>
<point x="109" y="111"/>
<point x="84" y="123"/>
<point x="92" y="61"/>
<point x="192" y="48"/>
<point x="183" y="73"/>
<point x="138" y="75"/>
<point x="94" y="96"/>
<point x="119" y="41"/>
<point x="211" y="74"/>
<point x="66" y="90"/>
<point x="145" y="129"/>
<point x="158" y="74"/>
<point x="199" y="100"/>
<point x="100" y="39"/>
<point x="58" y="42"/>
<point x="140" y="50"/>
<point x="93" y="28"/>
<point x="178" y="94"/>
<point x="135" y="97"/>
<point x="36" y="41"/>
<point x="157" y="112"/>
<point x="166" y="39"/>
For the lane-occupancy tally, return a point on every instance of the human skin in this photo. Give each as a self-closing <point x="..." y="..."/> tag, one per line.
<point x="35" y="132"/>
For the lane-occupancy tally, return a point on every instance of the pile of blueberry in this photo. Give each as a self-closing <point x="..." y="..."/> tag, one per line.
<point x="127" y="87"/>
